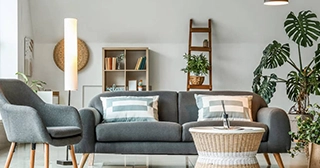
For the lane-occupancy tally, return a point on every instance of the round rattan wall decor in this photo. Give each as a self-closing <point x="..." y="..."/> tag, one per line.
<point x="83" y="54"/>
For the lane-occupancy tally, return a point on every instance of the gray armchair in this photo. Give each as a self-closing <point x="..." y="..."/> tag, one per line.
<point x="28" y="119"/>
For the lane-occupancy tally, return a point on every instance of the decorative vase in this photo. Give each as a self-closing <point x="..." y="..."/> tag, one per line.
<point x="205" y="43"/>
<point x="118" y="66"/>
<point x="314" y="159"/>
<point x="196" y="80"/>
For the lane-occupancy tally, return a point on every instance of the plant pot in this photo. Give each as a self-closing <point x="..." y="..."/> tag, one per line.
<point x="196" y="80"/>
<point x="293" y="120"/>
<point x="314" y="159"/>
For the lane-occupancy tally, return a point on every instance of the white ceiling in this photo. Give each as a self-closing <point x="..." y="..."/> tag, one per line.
<point x="162" y="21"/>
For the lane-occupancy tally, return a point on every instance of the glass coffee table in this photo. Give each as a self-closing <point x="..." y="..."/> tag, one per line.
<point x="219" y="147"/>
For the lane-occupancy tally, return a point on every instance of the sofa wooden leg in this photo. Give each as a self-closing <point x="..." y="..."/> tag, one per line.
<point x="266" y="156"/>
<point x="91" y="159"/>
<point x="83" y="160"/>
<point x="73" y="157"/>
<point x="10" y="154"/>
<point x="277" y="156"/>
<point x="46" y="155"/>
<point x="32" y="155"/>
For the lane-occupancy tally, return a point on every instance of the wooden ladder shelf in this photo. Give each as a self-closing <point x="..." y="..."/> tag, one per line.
<point x="201" y="48"/>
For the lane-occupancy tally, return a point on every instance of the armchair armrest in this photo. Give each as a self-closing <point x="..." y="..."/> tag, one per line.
<point x="277" y="120"/>
<point x="60" y="115"/>
<point x="90" y="118"/>
<point x="23" y="124"/>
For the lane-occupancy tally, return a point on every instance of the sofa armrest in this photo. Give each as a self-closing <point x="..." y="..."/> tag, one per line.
<point x="90" y="118"/>
<point x="277" y="120"/>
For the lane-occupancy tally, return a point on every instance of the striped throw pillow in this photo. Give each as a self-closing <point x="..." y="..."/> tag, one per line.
<point x="130" y="108"/>
<point x="237" y="107"/>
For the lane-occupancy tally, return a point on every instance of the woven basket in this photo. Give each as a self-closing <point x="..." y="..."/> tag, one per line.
<point x="221" y="150"/>
<point x="83" y="54"/>
<point x="196" y="80"/>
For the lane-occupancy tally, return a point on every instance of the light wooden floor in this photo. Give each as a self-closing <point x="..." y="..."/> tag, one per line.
<point x="21" y="159"/>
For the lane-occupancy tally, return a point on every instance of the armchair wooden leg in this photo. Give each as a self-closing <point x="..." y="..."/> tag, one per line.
<point x="73" y="157"/>
<point x="32" y="154"/>
<point x="277" y="156"/>
<point x="46" y="155"/>
<point x="91" y="159"/>
<point x="83" y="160"/>
<point x="266" y="156"/>
<point x="10" y="154"/>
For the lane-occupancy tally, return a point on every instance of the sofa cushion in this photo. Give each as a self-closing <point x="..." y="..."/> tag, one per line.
<point x="130" y="108"/>
<point x="138" y="132"/>
<point x="167" y="103"/>
<point x="187" y="137"/>
<point x="211" y="107"/>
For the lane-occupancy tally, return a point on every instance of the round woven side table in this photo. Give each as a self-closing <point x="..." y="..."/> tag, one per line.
<point x="227" y="148"/>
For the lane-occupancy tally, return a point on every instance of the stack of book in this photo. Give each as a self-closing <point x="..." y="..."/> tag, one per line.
<point x="141" y="63"/>
<point x="110" y="63"/>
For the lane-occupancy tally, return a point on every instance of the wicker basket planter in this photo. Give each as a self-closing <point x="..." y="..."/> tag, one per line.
<point x="227" y="148"/>
<point x="196" y="80"/>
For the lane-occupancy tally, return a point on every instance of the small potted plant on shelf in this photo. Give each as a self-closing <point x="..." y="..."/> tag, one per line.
<point x="307" y="137"/>
<point x="303" y="79"/>
<point x="197" y="65"/>
<point x="119" y="59"/>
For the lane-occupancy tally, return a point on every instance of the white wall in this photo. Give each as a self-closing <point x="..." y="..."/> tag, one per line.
<point x="15" y="24"/>
<point x="8" y="38"/>
<point x="25" y="30"/>
<point x="241" y="30"/>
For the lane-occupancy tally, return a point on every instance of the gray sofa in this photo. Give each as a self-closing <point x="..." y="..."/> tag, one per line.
<point x="170" y="136"/>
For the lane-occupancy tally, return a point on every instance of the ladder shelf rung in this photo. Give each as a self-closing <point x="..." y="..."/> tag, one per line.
<point x="200" y="30"/>
<point x="200" y="48"/>
<point x="199" y="87"/>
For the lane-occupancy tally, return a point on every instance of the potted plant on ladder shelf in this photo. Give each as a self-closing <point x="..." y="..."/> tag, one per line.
<point x="197" y="65"/>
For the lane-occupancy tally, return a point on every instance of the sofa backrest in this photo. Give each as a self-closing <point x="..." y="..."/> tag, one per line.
<point x="188" y="110"/>
<point x="167" y="104"/>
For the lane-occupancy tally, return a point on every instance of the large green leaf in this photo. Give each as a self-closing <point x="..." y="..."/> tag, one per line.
<point x="265" y="86"/>
<point x="317" y="58"/>
<point x="275" y="55"/>
<point x="294" y="85"/>
<point x="303" y="29"/>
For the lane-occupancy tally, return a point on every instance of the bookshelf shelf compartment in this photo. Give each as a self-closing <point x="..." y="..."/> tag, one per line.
<point x="134" y="66"/>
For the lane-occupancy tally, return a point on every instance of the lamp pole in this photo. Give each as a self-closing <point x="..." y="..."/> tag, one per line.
<point x="70" y="66"/>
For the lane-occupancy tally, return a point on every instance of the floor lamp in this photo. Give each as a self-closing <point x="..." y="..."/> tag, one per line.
<point x="70" y="64"/>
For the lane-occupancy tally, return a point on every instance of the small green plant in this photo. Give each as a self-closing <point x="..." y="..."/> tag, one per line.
<point x="308" y="130"/>
<point x="35" y="85"/>
<point x="196" y="64"/>
<point x="120" y="57"/>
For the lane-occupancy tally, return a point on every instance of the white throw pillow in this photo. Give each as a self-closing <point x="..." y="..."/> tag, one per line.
<point x="237" y="107"/>
<point x="130" y="108"/>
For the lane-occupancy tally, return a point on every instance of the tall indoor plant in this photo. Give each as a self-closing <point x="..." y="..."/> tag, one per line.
<point x="197" y="65"/>
<point x="304" y="79"/>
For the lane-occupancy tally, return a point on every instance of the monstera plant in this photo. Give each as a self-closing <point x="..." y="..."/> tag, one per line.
<point x="303" y="79"/>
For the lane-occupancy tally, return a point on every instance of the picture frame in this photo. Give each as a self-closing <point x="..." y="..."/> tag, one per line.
<point x="28" y="56"/>
<point x="132" y="85"/>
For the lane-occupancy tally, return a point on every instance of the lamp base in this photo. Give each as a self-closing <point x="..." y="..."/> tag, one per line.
<point x="64" y="162"/>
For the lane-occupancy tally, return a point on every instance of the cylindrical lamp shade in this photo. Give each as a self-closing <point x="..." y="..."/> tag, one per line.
<point x="276" y="2"/>
<point x="70" y="54"/>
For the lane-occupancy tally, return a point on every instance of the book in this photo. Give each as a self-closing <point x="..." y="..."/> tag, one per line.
<point x="142" y="64"/>
<point x="106" y="63"/>
<point x="109" y="60"/>
<point x="114" y="63"/>
<point x="138" y="63"/>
